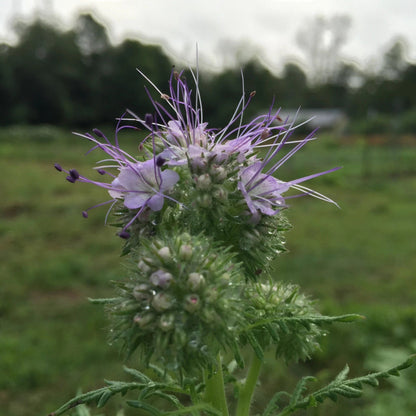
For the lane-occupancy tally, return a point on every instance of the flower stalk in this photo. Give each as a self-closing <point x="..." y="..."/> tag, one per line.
<point x="248" y="386"/>
<point x="215" y="388"/>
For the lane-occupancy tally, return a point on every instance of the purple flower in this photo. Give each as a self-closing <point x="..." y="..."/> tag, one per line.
<point x="245" y="154"/>
<point x="139" y="184"/>
<point x="261" y="192"/>
<point x="188" y="141"/>
<point x="142" y="184"/>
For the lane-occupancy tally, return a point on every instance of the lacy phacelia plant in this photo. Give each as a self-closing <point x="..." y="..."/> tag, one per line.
<point x="200" y="210"/>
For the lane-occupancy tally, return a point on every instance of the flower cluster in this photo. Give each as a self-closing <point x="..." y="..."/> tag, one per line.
<point x="179" y="144"/>
<point x="200" y="210"/>
<point x="181" y="302"/>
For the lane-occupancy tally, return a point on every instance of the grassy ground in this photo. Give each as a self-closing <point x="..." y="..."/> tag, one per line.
<point x="359" y="258"/>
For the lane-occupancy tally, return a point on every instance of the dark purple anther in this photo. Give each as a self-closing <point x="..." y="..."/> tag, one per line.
<point x="69" y="178"/>
<point x="124" y="234"/>
<point x="98" y="133"/>
<point x="58" y="167"/>
<point x="160" y="161"/>
<point x="85" y="214"/>
<point x="74" y="174"/>
<point x="101" y="171"/>
<point x="148" y="119"/>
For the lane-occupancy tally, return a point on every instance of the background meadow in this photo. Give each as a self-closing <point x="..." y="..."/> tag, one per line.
<point x="357" y="259"/>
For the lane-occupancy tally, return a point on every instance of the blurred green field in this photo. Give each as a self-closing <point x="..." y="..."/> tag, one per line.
<point x="357" y="259"/>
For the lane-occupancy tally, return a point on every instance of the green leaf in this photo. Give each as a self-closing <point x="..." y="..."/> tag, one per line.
<point x="104" y="398"/>
<point x="137" y="374"/>
<point x="300" y="389"/>
<point x="340" y="386"/>
<point x="145" y="406"/>
<point x="342" y="375"/>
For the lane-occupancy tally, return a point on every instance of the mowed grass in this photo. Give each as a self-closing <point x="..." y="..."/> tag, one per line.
<point x="357" y="259"/>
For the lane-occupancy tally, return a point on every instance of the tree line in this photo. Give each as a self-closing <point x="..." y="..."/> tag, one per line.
<point x="78" y="78"/>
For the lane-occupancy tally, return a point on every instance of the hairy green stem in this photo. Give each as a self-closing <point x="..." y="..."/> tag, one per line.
<point x="247" y="388"/>
<point x="215" y="390"/>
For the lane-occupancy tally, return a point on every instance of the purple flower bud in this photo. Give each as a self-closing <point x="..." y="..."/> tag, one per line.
<point x="85" y="214"/>
<point x="195" y="281"/>
<point x="161" y="278"/>
<point x="101" y="171"/>
<point x="74" y="174"/>
<point x="124" y="234"/>
<point x="58" y="167"/>
<point x="69" y="178"/>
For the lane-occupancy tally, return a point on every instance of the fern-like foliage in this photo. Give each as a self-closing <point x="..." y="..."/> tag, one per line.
<point x="340" y="386"/>
<point x="147" y="389"/>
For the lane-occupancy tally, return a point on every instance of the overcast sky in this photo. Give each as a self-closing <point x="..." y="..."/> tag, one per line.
<point x="221" y="27"/>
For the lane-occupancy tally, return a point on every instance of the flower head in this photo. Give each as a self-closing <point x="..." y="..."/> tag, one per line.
<point x="187" y="140"/>
<point x="213" y="173"/>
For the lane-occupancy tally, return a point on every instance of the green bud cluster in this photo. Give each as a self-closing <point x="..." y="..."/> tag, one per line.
<point x="279" y="315"/>
<point x="181" y="304"/>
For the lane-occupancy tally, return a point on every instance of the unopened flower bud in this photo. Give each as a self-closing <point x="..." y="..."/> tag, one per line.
<point x="195" y="281"/>
<point x="162" y="302"/>
<point x="143" y="320"/>
<point x="219" y="173"/>
<point x="143" y="267"/>
<point x="161" y="278"/>
<point x="203" y="181"/>
<point x="192" y="303"/>
<point x="141" y="292"/>
<point x="186" y="237"/>
<point x="185" y="252"/>
<point x="221" y="194"/>
<point x="166" y="322"/>
<point x="164" y="252"/>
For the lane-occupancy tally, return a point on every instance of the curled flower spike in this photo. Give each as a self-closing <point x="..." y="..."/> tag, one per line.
<point x="193" y="166"/>
<point x="187" y="140"/>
